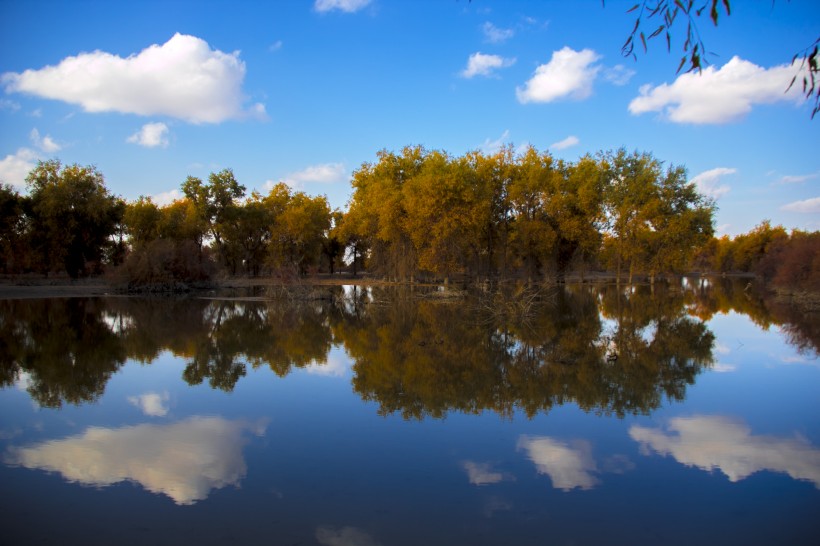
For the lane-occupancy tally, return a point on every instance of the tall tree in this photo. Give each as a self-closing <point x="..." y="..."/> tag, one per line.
<point x="656" y="219"/>
<point x="13" y="252"/>
<point x="73" y="217"/>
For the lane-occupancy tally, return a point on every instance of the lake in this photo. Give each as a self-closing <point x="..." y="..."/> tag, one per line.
<point x="340" y="416"/>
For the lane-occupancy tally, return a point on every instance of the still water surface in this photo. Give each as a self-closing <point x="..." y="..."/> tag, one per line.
<point x="395" y="417"/>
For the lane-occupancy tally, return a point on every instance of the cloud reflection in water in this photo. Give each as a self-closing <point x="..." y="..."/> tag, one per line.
<point x="715" y="442"/>
<point x="569" y="466"/>
<point x="183" y="460"/>
<point x="152" y="404"/>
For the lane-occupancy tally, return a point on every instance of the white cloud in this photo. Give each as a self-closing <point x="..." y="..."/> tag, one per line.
<point x="152" y="404"/>
<point x="14" y="168"/>
<point x="718" y="95"/>
<point x="346" y="536"/>
<point x="336" y="365"/>
<point x="492" y="146"/>
<point x="717" y="443"/>
<point x="569" y="74"/>
<point x="481" y="473"/>
<point x="808" y="206"/>
<point x="708" y="182"/>
<point x="151" y="135"/>
<point x="167" y="197"/>
<point x="275" y="46"/>
<point x="183" y="78"/>
<point x="480" y="64"/>
<point x="45" y="143"/>
<point x="568" y="467"/>
<point x="325" y="173"/>
<point x="184" y="460"/>
<point x="798" y="179"/>
<point x="496" y="35"/>
<point x="348" y="6"/>
<point x="568" y="142"/>
<point x="722" y="367"/>
<point x="618" y="75"/>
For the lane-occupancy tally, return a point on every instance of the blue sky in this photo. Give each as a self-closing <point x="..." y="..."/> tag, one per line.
<point x="305" y="91"/>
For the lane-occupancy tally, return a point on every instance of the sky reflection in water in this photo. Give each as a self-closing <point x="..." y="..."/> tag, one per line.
<point x="390" y="417"/>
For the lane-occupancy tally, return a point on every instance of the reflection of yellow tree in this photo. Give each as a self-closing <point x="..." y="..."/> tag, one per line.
<point x="424" y="358"/>
<point x="660" y="349"/>
<point x="407" y="358"/>
<point x="416" y="355"/>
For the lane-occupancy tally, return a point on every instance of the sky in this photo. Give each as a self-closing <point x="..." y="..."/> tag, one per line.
<point x="306" y="91"/>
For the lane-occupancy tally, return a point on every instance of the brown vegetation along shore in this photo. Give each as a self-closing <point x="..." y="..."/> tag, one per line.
<point x="64" y="287"/>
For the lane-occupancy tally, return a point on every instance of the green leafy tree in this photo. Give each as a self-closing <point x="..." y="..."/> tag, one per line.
<point x="248" y="235"/>
<point x="13" y="250"/>
<point x="73" y="217"/>
<point x="142" y="220"/>
<point x="657" y="220"/>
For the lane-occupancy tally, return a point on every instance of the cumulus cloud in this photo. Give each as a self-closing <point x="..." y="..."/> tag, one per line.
<point x="717" y="443"/>
<point x="325" y="173"/>
<point x="718" y="95"/>
<point x="183" y="78"/>
<point x="568" y="466"/>
<point x="481" y="473"/>
<point x="569" y="74"/>
<point x="152" y="404"/>
<point x="348" y="6"/>
<point x="151" y="135"/>
<point x="708" y="182"/>
<point x="184" y="460"/>
<point x="14" y="168"/>
<point x="495" y="35"/>
<point x="346" y="536"/>
<point x="568" y="142"/>
<point x="807" y="206"/>
<point x="479" y="64"/>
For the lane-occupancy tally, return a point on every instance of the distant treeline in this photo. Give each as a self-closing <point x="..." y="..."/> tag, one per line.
<point x="416" y="214"/>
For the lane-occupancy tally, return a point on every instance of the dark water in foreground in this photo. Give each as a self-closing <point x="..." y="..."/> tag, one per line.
<point x="393" y="417"/>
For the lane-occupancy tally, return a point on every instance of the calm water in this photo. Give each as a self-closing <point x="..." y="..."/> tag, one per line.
<point x="394" y="417"/>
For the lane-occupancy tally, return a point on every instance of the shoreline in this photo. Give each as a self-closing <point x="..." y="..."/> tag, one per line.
<point x="64" y="287"/>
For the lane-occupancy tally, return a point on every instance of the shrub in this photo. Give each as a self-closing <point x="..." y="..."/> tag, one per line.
<point x="166" y="265"/>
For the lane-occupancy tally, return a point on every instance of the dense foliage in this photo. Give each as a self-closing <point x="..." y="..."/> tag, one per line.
<point x="788" y="260"/>
<point x="416" y="214"/>
<point x="527" y="215"/>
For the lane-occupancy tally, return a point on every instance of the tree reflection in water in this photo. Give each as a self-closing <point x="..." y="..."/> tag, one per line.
<point x="424" y="358"/>
<point x="412" y="354"/>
